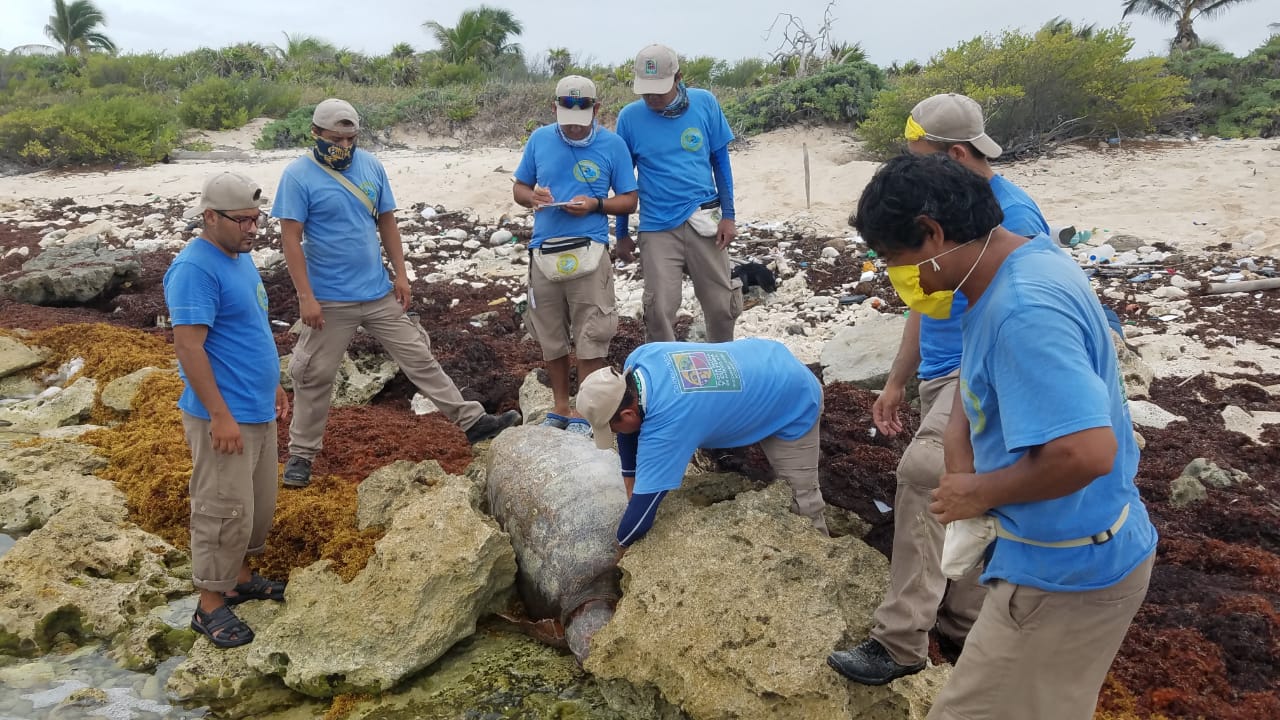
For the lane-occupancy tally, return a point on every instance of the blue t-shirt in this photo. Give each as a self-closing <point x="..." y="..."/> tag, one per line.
<point x="569" y="172"/>
<point x="203" y="286"/>
<point x="674" y="157"/>
<point x="1039" y="365"/>
<point x="339" y="236"/>
<point x="720" y="395"/>
<point x="940" y="339"/>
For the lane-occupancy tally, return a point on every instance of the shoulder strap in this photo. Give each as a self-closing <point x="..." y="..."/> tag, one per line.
<point x="364" y="199"/>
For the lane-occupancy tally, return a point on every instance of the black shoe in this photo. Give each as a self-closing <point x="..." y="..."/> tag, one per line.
<point x="948" y="647"/>
<point x="488" y="426"/>
<point x="297" y="472"/>
<point x="870" y="664"/>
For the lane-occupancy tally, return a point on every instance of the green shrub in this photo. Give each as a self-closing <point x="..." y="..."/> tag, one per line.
<point x="838" y="94"/>
<point x="294" y="130"/>
<point x="1037" y="89"/>
<point x="221" y="104"/>
<point x="1230" y="96"/>
<point x="94" y="127"/>
<point x="454" y="74"/>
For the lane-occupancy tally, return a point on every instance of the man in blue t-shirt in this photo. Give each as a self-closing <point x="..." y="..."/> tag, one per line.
<point x="232" y="397"/>
<point x="565" y="175"/>
<point x="337" y="218"/>
<point x="919" y="597"/>
<point x="673" y="398"/>
<point x="1044" y="451"/>
<point x="679" y="141"/>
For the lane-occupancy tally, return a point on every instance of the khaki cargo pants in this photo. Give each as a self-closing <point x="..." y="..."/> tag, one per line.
<point x="319" y="352"/>
<point x="233" y="500"/>
<point x="666" y="256"/>
<point x="919" y="594"/>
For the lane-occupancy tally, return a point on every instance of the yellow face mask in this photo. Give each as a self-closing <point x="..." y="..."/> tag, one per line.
<point x="936" y="305"/>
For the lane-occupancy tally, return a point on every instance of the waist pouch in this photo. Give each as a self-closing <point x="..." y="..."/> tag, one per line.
<point x="966" y="541"/>
<point x="706" y="219"/>
<point x="561" y="259"/>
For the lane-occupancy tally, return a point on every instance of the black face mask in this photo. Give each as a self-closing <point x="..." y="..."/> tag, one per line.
<point x="334" y="155"/>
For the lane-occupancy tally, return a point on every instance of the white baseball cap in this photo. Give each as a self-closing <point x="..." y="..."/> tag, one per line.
<point x="575" y="90"/>
<point x="227" y="191"/>
<point x="599" y="395"/>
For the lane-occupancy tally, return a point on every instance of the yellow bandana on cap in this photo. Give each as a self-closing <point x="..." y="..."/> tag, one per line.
<point x="914" y="130"/>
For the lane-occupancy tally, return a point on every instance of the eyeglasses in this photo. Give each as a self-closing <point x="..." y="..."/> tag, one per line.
<point x="245" y="223"/>
<point x="570" y="102"/>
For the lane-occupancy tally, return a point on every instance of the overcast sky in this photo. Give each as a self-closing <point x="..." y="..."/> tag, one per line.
<point x="611" y="32"/>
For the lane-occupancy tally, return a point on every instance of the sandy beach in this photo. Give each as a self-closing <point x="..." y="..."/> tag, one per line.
<point x="1189" y="194"/>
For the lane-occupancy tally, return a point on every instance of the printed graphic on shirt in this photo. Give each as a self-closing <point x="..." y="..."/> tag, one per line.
<point x="691" y="139"/>
<point x="262" y="296"/>
<point x="977" y="418"/>
<point x="705" y="371"/>
<point x="586" y="171"/>
<point x="371" y="189"/>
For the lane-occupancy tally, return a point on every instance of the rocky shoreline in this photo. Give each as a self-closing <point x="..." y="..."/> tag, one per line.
<point x="1202" y="372"/>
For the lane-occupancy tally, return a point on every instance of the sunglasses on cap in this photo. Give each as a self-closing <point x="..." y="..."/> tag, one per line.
<point x="570" y="102"/>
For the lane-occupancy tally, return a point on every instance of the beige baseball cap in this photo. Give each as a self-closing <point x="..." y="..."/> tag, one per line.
<point x="575" y="89"/>
<point x="952" y="117"/>
<point x="337" y="115"/>
<point x="599" y="395"/>
<point x="227" y="191"/>
<point x="655" y="70"/>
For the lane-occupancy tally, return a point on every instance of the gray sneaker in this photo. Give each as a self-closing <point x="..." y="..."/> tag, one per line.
<point x="297" y="472"/>
<point x="870" y="664"/>
<point x="488" y="426"/>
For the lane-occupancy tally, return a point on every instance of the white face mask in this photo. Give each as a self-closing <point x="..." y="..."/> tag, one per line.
<point x="584" y="142"/>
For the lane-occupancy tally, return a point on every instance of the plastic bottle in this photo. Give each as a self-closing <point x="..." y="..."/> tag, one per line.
<point x="1102" y="254"/>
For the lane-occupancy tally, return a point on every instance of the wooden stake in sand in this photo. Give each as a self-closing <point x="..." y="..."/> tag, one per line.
<point x="805" y="148"/>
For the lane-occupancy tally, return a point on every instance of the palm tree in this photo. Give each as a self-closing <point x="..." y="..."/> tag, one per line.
<point x="559" y="60"/>
<point x="1183" y="13"/>
<point x="1060" y="26"/>
<point x="481" y="35"/>
<point x="402" y="50"/>
<point x="75" y="28"/>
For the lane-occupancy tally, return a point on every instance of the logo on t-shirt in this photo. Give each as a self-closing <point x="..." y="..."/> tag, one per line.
<point x="705" y="371"/>
<point x="371" y="190"/>
<point x="691" y="139"/>
<point x="586" y="171"/>
<point x="973" y="408"/>
<point x="262" y="296"/>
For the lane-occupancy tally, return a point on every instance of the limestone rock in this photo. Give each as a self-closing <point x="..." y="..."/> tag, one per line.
<point x="38" y="482"/>
<point x="729" y="611"/>
<point x="1145" y="414"/>
<point x="863" y="354"/>
<point x="440" y="566"/>
<point x="536" y="399"/>
<point x="73" y="274"/>
<point x="359" y="378"/>
<point x="1237" y="419"/>
<point x="1137" y="374"/>
<point x="1208" y="473"/>
<point x="390" y="488"/>
<point x="1185" y="490"/>
<point x="15" y="357"/>
<point x="119" y="393"/>
<point x="54" y="408"/>
<point x="223" y="680"/>
<point x="88" y="573"/>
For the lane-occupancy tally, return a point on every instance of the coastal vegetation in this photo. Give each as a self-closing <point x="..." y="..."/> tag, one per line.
<point x="84" y="101"/>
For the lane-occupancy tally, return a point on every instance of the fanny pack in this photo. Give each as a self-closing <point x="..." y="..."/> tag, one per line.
<point x="561" y="259"/>
<point x="706" y="219"/>
<point x="966" y="541"/>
